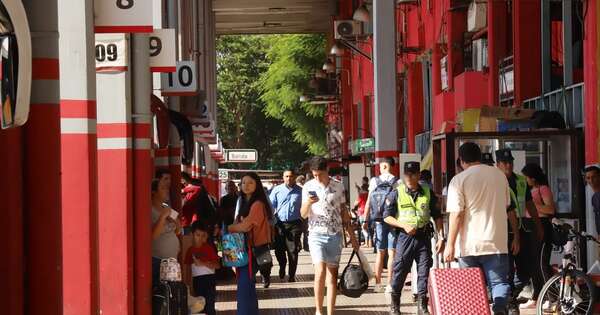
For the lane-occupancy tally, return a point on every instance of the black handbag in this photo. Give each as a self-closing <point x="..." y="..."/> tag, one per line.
<point x="263" y="257"/>
<point x="354" y="280"/>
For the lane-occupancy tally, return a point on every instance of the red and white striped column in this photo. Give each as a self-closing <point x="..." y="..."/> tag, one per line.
<point x="78" y="157"/>
<point x="42" y="164"/>
<point x="115" y="193"/>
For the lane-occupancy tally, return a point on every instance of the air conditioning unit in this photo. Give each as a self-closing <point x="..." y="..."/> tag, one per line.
<point x="479" y="54"/>
<point x="444" y="72"/>
<point x="347" y="29"/>
<point x="477" y="16"/>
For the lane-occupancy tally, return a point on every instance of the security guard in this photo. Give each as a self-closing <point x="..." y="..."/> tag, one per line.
<point x="409" y="209"/>
<point x="530" y="231"/>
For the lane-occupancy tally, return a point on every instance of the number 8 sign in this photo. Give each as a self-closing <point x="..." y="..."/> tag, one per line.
<point x="182" y="82"/>
<point x="123" y="16"/>
<point x="111" y="53"/>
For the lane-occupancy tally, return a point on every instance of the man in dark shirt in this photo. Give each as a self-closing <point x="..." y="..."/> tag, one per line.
<point x="228" y="203"/>
<point x="592" y="178"/>
<point x="409" y="209"/>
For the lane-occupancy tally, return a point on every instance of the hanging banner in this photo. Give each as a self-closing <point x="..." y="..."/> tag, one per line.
<point x="123" y="16"/>
<point x="162" y="51"/>
<point x="182" y="82"/>
<point x="112" y="53"/>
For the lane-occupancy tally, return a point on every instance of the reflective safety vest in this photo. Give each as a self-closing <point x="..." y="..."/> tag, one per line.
<point x="518" y="197"/>
<point x="413" y="212"/>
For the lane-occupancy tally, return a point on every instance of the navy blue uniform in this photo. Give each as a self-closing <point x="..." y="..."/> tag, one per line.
<point x="411" y="248"/>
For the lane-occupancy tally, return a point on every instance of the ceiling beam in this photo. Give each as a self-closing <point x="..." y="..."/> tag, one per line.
<point x="237" y="5"/>
<point x="284" y="18"/>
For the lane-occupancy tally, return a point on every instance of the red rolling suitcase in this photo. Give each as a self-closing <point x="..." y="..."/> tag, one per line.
<point x="458" y="292"/>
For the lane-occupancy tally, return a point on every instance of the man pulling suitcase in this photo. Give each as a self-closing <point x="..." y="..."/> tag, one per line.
<point x="409" y="208"/>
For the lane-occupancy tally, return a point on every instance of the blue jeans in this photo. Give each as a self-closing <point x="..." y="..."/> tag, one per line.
<point x="496" y="270"/>
<point x="385" y="236"/>
<point x="325" y="248"/>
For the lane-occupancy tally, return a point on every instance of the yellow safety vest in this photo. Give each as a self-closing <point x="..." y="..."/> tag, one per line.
<point x="413" y="212"/>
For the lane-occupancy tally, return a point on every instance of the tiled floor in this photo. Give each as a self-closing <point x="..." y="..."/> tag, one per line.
<point x="297" y="298"/>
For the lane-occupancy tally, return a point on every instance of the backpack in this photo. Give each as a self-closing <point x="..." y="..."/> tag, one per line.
<point x="548" y="119"/>
<point x="354" y="280"/>
<point x="377" y="198"/>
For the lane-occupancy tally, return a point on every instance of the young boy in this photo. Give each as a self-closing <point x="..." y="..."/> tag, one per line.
<point x="201" y="260"/>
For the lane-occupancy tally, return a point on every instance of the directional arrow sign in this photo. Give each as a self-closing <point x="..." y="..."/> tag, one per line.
<point x="241" y="156"/>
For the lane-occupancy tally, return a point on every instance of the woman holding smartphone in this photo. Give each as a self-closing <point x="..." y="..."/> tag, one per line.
<point x="254" y="219"/>
<point x="165" y="228"/>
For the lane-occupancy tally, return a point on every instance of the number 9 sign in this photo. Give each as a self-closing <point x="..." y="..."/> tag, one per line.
<point x="123" y="16"/>
<point x="181" y="82"/>
<point x="111" y="53"/>
<point x="162" y="51"/>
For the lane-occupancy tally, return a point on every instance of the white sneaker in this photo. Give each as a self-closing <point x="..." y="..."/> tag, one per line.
<point x="378" y="288"/>
<point x="530" y="304"/>
<point x="388" y="289"/>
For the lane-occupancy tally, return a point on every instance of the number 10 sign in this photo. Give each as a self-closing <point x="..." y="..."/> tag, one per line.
<point x="183" y="82"/>
<point x="123" y="16"/>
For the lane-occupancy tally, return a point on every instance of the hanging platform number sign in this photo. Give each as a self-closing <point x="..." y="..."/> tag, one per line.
<point x="123" y="16"/>
<point x="182" y="82"/>
<point x="112" y="53"/>
<point x="162" y="51"/>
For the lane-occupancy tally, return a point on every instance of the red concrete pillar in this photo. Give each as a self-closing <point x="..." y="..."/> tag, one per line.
<point x="79" y="199"/>
<point x="455" y="28"/>
<point x="592" y="82"/>
<point x="12" y="290"/>
<point x="115" y="193"/>
<point x="142" y="173"/>
<point x="175" y="170"/>
<point x="415" y="103"/>
<point x="497" y="21"/>
<point x="526" y="48"/>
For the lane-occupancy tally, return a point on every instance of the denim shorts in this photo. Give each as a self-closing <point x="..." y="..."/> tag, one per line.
<point x="325" y="248"/>
<point x="385" y="237"/>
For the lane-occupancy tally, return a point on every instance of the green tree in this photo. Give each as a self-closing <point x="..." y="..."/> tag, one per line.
<point x="293" y="59"/>
<point x="241" y="60"/>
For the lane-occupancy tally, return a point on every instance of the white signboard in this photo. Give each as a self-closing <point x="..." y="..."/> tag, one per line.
<point x="112" y="53"/>
<point x="123" y="16"/>
<point x="241" y="156"/>
<point x="183" y="82"/>
<point x="162" y="51"/>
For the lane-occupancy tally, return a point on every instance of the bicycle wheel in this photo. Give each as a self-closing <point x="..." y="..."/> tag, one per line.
<point x="570" y="292"/>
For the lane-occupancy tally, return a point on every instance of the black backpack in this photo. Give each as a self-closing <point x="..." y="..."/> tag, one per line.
<point x="548" y="119"/>
<point x="377" y="198"/>
<point x="354" y="280"/>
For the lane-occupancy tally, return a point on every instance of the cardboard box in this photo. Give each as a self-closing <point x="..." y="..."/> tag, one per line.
<point x="473" y="120"/>
<point x="507" y="113"/>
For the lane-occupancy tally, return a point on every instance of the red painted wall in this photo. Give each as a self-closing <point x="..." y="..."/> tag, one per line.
<point x="591" y="69"/>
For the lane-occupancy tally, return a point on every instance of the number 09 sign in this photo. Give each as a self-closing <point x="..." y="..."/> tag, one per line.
<point x="182" y="82"/>
<point x="111" y="53"/>
<point x="123" y="16"/>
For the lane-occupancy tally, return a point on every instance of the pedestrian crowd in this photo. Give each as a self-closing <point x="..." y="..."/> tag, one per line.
<point x="498" y="221"/>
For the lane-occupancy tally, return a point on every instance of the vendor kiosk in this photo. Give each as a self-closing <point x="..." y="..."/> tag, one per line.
<point x="559" y="153"/>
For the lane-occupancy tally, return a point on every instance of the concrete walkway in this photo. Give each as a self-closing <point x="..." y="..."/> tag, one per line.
<point x="298" y="298"/>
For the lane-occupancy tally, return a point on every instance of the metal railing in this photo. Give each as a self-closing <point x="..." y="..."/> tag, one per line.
<point x="568" y="101"/>
<point x="422" y="142"/>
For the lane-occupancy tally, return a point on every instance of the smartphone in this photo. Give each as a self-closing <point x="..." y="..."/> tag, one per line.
<point x="312" y="193"/>
<point x="174" y="214"/>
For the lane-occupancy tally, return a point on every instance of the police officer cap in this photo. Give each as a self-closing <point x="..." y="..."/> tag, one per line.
<point x="504" y="155"/>
<point x="412" y="167"/>
<point x="487" y="158"/>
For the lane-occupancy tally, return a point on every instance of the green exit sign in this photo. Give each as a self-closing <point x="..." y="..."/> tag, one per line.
<point x="366" y="145"/>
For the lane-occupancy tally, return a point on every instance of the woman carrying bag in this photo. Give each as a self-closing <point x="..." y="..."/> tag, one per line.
<point x="253" y="219"/>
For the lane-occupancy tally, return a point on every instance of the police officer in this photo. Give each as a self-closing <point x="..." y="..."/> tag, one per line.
<point x="530" y="231"/>
<point x="409" y="209"/>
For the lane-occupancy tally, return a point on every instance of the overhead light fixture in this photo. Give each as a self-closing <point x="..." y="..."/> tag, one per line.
<point x="336" y="50"/>
<point x="328" y="66"/>
<point x="361" y="14"/>
<point x="320" y="74"/>
<point x="303" y="98"/>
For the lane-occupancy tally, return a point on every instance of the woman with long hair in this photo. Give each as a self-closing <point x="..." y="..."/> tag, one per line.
<point x="254" y="218"/>
<point x="544" y="202"/>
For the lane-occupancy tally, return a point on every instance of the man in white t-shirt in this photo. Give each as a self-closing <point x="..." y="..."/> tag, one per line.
<point x="324" y="204"/>
<point x="384" y="237"/>
<point x="478" y="202"/>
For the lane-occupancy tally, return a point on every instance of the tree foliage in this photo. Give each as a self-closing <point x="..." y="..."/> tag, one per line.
<point x="243" y="122"/>
<point x="293" y="59"/>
